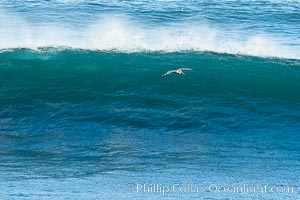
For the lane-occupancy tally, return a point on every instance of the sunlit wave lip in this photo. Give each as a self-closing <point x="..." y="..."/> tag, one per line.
<point x="47" y="49"/>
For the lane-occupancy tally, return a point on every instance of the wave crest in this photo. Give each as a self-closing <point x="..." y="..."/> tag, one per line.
<point x="122" y="34"/>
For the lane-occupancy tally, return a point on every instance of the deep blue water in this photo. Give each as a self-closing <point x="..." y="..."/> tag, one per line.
<point x="85" y="114"/>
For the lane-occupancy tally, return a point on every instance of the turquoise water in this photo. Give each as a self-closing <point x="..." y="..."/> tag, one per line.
<point x="85" y="114"/>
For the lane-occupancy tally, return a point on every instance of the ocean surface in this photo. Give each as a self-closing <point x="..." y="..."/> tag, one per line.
<point x="85" y="114"/>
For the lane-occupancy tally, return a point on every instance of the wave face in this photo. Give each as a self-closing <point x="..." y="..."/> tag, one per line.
<point x="42" y="91"/>
<point x="258" y="28"/>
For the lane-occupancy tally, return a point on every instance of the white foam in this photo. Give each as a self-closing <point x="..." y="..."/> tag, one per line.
<point x="122" y="34"/>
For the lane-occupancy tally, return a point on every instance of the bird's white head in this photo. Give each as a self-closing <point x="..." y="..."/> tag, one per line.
<point x="179" y="71"/>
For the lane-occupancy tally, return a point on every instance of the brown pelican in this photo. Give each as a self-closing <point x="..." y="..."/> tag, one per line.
<point x="177" y="71"/>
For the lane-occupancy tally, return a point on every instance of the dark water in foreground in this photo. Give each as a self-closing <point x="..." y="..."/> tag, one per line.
<point x="84" y="124"/>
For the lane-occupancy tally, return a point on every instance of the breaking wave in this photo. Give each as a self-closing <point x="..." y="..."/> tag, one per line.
<point x="120" y="33"/>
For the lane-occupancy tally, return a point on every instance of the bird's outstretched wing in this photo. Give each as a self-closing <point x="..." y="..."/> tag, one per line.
<point x="168" y="72"/>
<point x="184" y="69"/>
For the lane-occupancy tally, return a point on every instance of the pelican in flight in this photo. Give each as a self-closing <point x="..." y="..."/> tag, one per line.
<point x="177" y="71"/>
